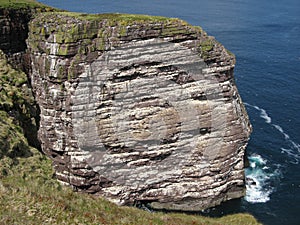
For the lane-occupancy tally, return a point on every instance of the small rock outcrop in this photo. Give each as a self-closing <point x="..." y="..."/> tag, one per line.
<point x="139" y="109"/>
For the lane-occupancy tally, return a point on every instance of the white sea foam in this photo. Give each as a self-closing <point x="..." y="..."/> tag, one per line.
<point x="294" y="150"/>
<point x="265" y="116"/>
<point x="263" y="113"/>
<point x="258" y="180"/>
<point x="295" y="157"/>
<point x="255" y="193"/>
<point x="296" y="145"/>
<point x="279" y="128"/>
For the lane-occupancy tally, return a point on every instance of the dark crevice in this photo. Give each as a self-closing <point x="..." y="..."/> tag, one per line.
<point x="160" y="157"/>
<point x="127" y="77"/>
<point x="199" y="96"/>
<point x="169" y="68"/>
<point x="144" y="63"/>
<point x="205" y="130"/>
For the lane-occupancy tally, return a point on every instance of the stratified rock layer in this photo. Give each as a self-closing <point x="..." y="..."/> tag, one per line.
<point x="139" y="109"/>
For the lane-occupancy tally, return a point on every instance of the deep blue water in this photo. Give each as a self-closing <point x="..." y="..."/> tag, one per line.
<point x="265" y="37"/>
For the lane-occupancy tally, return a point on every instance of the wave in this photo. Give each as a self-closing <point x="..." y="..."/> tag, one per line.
<point x="294" y="150"/>
<point x="295" y="157"/>
<point x="259" y="180"/>
<point x="279" y="128"/>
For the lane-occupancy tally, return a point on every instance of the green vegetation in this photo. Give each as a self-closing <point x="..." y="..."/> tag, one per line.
<point x="121" y="21"/>
<point x="30" y="195"/>
<point x="12" y="140"/>
<point x="117" y="17"/>
<point x="206" y="46"/>
<point x="17" y="100"/>
<point x="11" y="86"/>
<point x="19" y="4"/>
<point x="93" y="37"/>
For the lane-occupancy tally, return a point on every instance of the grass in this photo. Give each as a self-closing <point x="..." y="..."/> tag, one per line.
<point x="16" y="99"/>
<point x="30" y="195"/>
<point x="130" y="18"/>
<point x="15" y="4"/>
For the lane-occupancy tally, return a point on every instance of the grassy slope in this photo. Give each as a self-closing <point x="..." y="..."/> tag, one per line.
<point x="19" y="3"/>
<point x="30" y="195"/>
<point x="15" y="100"/>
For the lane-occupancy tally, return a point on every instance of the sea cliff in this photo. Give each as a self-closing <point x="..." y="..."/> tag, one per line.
<point x="138" y="109"/>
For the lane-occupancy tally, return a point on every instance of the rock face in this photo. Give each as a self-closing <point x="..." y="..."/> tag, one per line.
<point x="139" y="109"/>
<point x="14" y="30"/>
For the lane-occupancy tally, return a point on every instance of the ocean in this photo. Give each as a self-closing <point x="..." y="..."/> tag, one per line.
<point x="265" y="37"/>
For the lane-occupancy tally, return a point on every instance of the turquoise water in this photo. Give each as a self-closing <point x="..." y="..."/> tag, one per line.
<point x="265" y="37"/>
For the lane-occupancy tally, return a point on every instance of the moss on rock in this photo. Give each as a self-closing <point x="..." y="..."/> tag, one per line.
<point x="99" y="32"/>
<point x="205" y="47"/>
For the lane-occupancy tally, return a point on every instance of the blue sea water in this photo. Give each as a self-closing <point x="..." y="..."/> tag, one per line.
<point x="265" y="37"/>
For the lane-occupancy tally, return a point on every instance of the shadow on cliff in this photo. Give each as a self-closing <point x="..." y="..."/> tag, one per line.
<point x="226" y="208"/>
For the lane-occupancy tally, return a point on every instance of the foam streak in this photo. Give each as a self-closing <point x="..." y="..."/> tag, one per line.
<point x="294" y="150"/>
